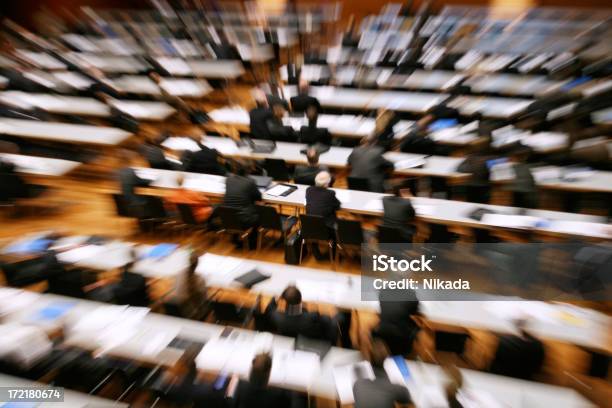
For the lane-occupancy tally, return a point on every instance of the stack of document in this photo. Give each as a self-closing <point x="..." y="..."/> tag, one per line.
<point x="294" y="368"/>
<point x="220" y="270"/>
<point x="513" y="221"/>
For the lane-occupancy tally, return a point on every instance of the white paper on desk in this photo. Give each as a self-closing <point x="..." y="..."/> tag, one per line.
<point x="581" y="227"/>
<point x="69" y="242"/>
<point x="294" y="368"/>
<point x="181" y="143"/>
<point x="78" y="254"/>
<point x="424" y="209"/>
<point x="147" y="174"/>
<point x="483" y="399"/>
<point x="278" y="190"/>
<point x="546" y="173"/>
<point x="345" y="377"/>
<point x="152" y="342"/>
<point x="14" y="300"/>
<point x="429" y="396"/>
<point x="314" y="291"/>
<point x="409" y="163"/>
<point x="226" y="355"/>
<point x="470" y="127"/>
<point x="219" y="270"/>
<point x="511" y="221"/>
<point x="374" y="204"/>
<point x="344" y="196"/>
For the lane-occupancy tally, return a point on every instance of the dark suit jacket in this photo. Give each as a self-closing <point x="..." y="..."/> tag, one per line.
<point x="308" y="324"/>
<point x="155" y="157"/>
<point x="251" y="396"/>
<point x="306" y="174"/>
<point x="379" y="393"/>
<point x="398" y="213"/>
<point x="12" y="185"/>
<point x="242" y="193"/>
<point x="311" y="135"/>
<point x="518" y="357"/>
<point x="323" y="202"/>
<point x="129" y="180"/>
<point x="258" y="118"/>
<point x="368" y="162"/>
<point x="301" y="102"/>
<point x="205" y="160"/>
<point x="279" y="132"/>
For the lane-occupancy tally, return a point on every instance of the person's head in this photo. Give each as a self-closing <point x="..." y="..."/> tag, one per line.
<point x="303" y="85"/>
<point x="260" y="98"/>
<point x="260" y="370"/>
<point x="241" y="169"/>
<point x="378" y="353"/>
<point x="8" y="147"/>
<point x="520" y="154"/>
<point x="521" y="325"/>
<point x="323" y="179"/>
<point x="312" y="155"/>
<point x="312" y="114"/>
<point x="278" y="109"/>
<point x="155" y="77"/>
<point x="293" y="300"/>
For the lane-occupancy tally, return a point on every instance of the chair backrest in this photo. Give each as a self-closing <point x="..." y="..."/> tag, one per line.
<point x="313" y="227"/>
<point x="390" y="235"/>
<point x="154" y="207"/>
<point x="269" y="218"/>
<point x="230" y="219"/>
<point x="308" y="180"/>
<point x="349" y="232"/>
<point x="358" y="183"/>
<point x="121" y="207"/>
<point x="277" y="169"/>
<point x="186" y="214"/>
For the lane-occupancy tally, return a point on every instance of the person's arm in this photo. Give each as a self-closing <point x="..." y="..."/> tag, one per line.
<point x="336" y="202"/>
<point x="255" y="193"/>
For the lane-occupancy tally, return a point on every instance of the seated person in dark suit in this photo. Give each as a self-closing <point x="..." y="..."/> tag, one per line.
<point x="294" y="320"/>
<point x="519" y="356"/>
<point x="205" y="160"/>
<point x="302" y="101"/>
<point x="259" y="116"/>
<point x="241" y="192"/>
<point x="380" y="392"/>
<point x="255" y="392"/>
<point x="417" y="139"/>
<point x="154" y="154"/>
<point x="12" y="186"/>
<point x="367" y="161"/>
<point x="322" y="201"/>
<point x="478" y="189"/>
<point x="131" y="289"/>
<point x="180" y="384"/>
<point x="397" y="326"/>
<point x="311" y="134"/>
<point x="306" y="174"/>
<point x="129" y="181"/>
<point x="523" y="187"/>
<point x="383" y="131"/>
<point x="277" y="130"/>
<point x="399" y="212"/>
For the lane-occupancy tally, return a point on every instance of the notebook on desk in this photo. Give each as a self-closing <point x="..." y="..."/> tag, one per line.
<point x="251" y="278"/>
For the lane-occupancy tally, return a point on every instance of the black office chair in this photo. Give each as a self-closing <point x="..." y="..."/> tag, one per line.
<point x="390" y="235"/>
<point x="230" y="224"/>
<point x="121" y="207"/>
<point x="454" y="342"/>
<point x="358" y="183"/>
<point x="271" y="220"/>
<point x="349" y="236"/>
<point x="308" y="180"/>
<point x="277" y="169"/>
<point x="314" y="230"/>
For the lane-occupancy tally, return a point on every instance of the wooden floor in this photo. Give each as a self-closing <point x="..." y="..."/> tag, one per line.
<point x="76" y="205"/>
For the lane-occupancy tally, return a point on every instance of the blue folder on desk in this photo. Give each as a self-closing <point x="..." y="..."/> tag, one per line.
<point x="54" y="311"/>
<point x="19" y="405"/>
<point x="33" y="246"/>
<point x="575" y="83"/>
<point x="442" y="124"/>
<point x="402" y="366"/>
<point x="161" y="251"/>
